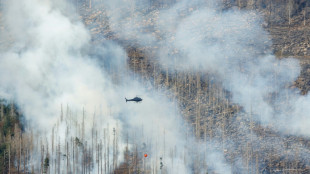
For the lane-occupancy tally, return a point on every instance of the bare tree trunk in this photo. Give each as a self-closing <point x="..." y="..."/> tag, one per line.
<point x="73" y="155"/>
<point x="9" y="159"/>
<point x="101" y="156"/>
<point x="20" y="152"/>
<point x="1" y="111"/>
<point x="83" y="126"/>
<point x="105" y="151"/>
<point x="290" y="8"/>
<point x="198" y="106"/>
<point x="114" y="150"/>
<point x="167" y="77"/>
<point x="24" y="161"/>
<point x="108" y="152"/>
<point x="305" y="16"/>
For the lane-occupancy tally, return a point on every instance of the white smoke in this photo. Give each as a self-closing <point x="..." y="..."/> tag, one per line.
<point x="233" y="46"/>
<point x="230" y="44"/>
<point x="45" y="66"/>
<point x="47" y="60"/>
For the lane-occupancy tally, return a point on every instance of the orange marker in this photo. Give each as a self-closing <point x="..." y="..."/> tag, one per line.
<point x="145" y="155"/>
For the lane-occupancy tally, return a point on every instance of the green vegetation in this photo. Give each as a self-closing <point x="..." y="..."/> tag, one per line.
<point x="46" y="164"/>
<point x="10" y="124"/>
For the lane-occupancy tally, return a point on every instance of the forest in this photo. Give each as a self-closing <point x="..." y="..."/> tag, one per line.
<point x="224" y="86"/>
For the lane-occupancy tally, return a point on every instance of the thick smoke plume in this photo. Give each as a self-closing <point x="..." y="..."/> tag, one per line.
<point x="230" y="44"/>
<point x="233" y="46"/>
<point x="48" y="62"/>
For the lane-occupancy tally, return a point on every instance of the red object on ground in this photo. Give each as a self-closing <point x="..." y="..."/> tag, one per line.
<point x="145" y="155"/>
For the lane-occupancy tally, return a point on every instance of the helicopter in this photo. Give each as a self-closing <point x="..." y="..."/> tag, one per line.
<point x="136" y="99"/>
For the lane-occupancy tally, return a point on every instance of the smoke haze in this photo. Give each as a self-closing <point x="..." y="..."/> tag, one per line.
<point x="198" y="36"/>
<point x="47" y="61"/>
